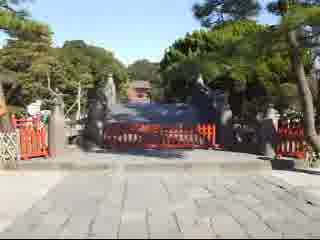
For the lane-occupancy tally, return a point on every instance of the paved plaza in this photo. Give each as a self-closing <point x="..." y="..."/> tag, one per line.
<point x="104" y="204"/>
<point x="20" y="190"/>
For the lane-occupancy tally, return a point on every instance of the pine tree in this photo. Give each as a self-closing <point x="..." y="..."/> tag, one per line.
<point x="215" y="12"/>
<point x="15" y="21"/>
<point x="291" y="34"/>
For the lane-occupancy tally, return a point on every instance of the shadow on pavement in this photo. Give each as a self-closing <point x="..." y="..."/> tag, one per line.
<point x="90" y="147"/>
<point x="307" y="171"/>
<point x="289" y="165"/>
<point x="280" y="164"/>
<point x="163" y="154"/>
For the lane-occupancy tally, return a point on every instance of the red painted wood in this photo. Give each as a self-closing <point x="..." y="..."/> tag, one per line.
<point x="33" y="137"/>
<point x="291" y="140"/>
<point x="156" y="136"/>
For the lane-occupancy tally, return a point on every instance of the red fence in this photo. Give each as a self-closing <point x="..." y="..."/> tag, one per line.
<point x="291" y="140"/>
<point x="156" y="136"/>
<point x="33" y="137"/>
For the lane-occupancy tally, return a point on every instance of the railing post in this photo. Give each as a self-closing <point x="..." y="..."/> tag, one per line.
<point x="18" y="145"/>
<point x="14" y="121"/>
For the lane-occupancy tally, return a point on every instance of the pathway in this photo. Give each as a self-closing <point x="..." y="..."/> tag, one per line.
<point x="20" y="190"/>
<point x="100" y="204"/>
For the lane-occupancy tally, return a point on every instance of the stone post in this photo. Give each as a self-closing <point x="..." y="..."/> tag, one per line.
<point x="268" y="133"/>
<point x="224" y="130"/>
<point x="57" y="134"/>
<point x="110" y="91"/>
<point x="98" y="110"/>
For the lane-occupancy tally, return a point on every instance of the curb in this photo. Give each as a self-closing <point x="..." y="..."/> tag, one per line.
<point x="142" y="167"/>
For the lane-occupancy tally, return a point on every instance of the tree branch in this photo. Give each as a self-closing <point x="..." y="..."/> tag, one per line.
<point x="8" y="8"/>
<point x="10" y="93"/>
<point x="49" y="86"/>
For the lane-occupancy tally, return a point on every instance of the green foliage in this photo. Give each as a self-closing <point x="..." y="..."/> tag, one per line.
<point x="248" y="60"/>
<point x="213" y="12"/>
<point x="147" y="71"/>
<point x="16" y="22"/>
<point x="143" y="70"/>
<point x="178" y="80"/>
<point x="289" y="96"/>
<point x="27" y="66"/>
<point x="18" y="61"/>
<point x="200" y="43"/>
<point x="228" y="59"/>
<point x="93" y="64"/>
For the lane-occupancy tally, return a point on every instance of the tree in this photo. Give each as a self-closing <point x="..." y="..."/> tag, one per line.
<point x="27" y="65"/>
<point x="143" y="70"/>
<point x="213" y="12"/>
<point x="18" y="59"/>
<point x="147" y="71"/>
<point x="209" y="52"/>
<point x="93" y="64"/>
<point x="294" y="21"/>
<point x="292" y="36"/>
<point x="16" y="22"/>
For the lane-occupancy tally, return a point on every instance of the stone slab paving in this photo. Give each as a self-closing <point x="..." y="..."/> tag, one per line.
<point x="306" y="182"/>
<point x="20" y="190"/>
<point x="105" y="205"/>
<point x="138" y="161"/>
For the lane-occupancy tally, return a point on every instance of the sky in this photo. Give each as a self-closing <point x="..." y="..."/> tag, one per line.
<point x="132" y="29"/>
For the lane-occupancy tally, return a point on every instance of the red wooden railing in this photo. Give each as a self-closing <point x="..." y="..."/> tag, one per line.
<point x="291" y="140"/>
<point x="33" y="137"/>
<point x="158" y="136"/>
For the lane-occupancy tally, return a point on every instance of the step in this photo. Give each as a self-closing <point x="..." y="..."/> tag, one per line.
<point x="214" y="162"/>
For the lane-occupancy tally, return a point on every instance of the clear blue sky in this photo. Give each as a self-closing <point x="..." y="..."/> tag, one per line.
<point x="132" y="29"/>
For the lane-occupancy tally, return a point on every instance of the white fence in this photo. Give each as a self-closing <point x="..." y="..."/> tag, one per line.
<point x="9" y="149"/>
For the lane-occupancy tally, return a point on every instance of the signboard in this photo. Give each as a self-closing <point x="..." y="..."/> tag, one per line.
<point x="34" y="108"/>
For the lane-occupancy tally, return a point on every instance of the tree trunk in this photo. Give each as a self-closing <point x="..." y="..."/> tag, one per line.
<point x="4" y="119"/>
<point x="304" y="90"/>
<point x="317" y="101"/>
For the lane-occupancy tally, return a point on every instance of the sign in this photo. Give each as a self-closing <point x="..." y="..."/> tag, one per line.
<point x="34" y="108"/>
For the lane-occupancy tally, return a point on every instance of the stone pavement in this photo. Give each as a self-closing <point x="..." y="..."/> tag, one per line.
<point x="20" y="190"/>
<point x="112" y="205"/>
<point x="215" y="162"/>
<point x="304" y="181"/>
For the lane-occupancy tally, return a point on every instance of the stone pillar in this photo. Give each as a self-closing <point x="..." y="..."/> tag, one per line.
<point x="110" y="91"/>
<point x="57" y="137"/>
<point x="268" y="133"/>
<point x="97" y="114"/>
<point x="224" y="131"/>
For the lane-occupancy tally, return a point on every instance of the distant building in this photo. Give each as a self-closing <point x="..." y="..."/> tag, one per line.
<point x="139" y="92"/>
